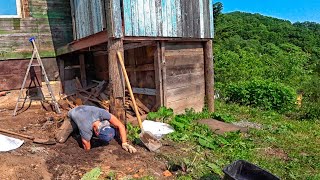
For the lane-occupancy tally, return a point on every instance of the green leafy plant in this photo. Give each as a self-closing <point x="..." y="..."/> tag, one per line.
<point x="223" y="117"/>
<point x="92" y="175"/>
<point x="163" y="114"/>
<point x="264" y="94"/>
<point x="133" y="133"/>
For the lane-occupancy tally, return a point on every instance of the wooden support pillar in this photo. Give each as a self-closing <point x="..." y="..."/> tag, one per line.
<point x="61" y="73"/>
<point x="158" y="75"/>
<point x="164" y="72"/>
<point x="116" y="79"/>
<point x="209" y="75"/>
<point x="83" y="70"/>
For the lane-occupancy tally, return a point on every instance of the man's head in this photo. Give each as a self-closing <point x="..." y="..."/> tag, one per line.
<point x="106" y="133"/>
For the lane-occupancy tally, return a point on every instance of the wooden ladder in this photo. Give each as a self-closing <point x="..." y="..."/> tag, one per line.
<point x="39" y="64"/>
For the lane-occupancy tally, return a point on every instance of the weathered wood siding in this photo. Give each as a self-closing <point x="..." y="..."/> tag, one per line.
<point x="90" y="17"/>
<point x="185" y="81"/>
<point x="47" y="20"/>
<point x="168" y="18"/>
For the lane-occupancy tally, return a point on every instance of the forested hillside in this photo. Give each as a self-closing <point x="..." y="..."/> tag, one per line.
<point x="256" y="48"/>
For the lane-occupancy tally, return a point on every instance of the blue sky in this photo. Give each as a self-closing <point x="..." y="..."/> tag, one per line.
<point x="293" y="10"/>
<point x="8" y="7"/>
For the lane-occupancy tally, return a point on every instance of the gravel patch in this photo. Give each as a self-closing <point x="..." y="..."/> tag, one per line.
<point x="248" y="124"/>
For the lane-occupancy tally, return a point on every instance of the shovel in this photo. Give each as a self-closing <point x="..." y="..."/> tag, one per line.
<point x="35" y="140"/>
<point x="147" y="138"/>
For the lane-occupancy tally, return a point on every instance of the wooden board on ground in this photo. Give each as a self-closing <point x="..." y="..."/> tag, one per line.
<point x="219" y="127"/>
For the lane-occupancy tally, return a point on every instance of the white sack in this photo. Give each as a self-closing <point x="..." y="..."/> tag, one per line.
<point x="158" y="129"/>
<point x="9" y="143"/>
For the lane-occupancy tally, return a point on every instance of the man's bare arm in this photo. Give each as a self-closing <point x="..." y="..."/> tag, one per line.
<point x="86" y="144"/>
<point x="122" y="130"/>
<point x="123" y="134"/>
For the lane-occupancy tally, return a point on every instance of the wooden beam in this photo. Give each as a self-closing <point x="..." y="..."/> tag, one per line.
<point x="92" y="40"/>
<point x="164" y="72"/>
<point x="72" y="67"/>
<point x="158" y="75"/>
<point x="144" y="91"/>
<point x="116" y="80"/>
<point x="144" y="67"/>
<point x="83" y="70"/>
<point x="137" y="45"/>
<point x="139" y="38"/>
<point x="209" y="75"/>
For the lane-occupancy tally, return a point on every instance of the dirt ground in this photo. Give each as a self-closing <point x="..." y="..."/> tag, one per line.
<point x="69" y="160"/>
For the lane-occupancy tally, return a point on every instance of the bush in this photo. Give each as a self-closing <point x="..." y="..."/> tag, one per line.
<point x="311" y="99"/>
<point x="264" y="94"/>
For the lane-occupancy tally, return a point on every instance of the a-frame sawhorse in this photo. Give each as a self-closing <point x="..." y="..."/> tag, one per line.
<point x="39" y="64"/>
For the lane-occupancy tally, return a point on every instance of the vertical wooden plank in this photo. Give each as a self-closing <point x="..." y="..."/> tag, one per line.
<point x="147" y="18"/>
<point x="190" y="19"/>
<point x="206" y="17"/>
<point x="159" y="18"/>
<point x="74" y="29"/>
<point x="141" y="18"/>
<point x="90" y="18"/>
<point x="211" y="19"/>
<point x="184" y="19"/>
<point x="83" y="70"/>
<point x="109" y="18"/>
<point x="61" y="70"/>
<point x="169" y="18"/>
<point x="196" y="18"/>
<point x="209" y="74"/>
<point x="117" y="19"/>
<point x="100" y="16"/>
<point x="127" y="11"/>
<point x="179" y="18"/>
<point x="132" y="63"/>
<point x="164" y="72"/>
<point x="174" y="18"/>
<point x="103" y="12"/>
<point x="164" y="18"/>
<point x="135" y="17"/>
<point x="116" y="80"/>
<point x="201" y="18"/>
<point x="158" y="75"/>
<point x="153" y="18"/>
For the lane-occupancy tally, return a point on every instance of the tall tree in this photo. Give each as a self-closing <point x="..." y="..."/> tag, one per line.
<point x="217" y="10"/>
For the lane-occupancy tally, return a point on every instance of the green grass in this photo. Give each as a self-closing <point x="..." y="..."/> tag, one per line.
<point x="287" y="148"/>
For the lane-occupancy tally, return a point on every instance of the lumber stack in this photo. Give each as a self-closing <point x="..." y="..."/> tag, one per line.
<point x="97" y="95"/>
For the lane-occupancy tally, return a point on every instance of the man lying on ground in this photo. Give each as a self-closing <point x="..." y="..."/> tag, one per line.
<point x="89" y="120"/>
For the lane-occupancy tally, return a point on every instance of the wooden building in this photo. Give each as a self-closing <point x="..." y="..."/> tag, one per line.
<point x="47" y="20"/>
<point x="166" y="45"/>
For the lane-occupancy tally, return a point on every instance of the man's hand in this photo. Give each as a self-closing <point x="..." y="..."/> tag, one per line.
<point x="128" y="148"/>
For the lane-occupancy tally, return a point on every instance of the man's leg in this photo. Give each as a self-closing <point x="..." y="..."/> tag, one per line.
<point x="64" y="131"/>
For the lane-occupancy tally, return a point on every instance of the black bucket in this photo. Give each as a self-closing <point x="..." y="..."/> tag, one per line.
<point x="243" y="170"/>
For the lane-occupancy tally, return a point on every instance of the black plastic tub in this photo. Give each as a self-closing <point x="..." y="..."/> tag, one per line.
<point x="243" y="170"/>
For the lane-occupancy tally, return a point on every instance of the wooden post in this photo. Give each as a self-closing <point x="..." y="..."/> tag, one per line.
<point x="209" y="74"/>
<point x="164" y="73"/>
<point x="83" y="70"/>
<point x="158" y="76"/>
<point x="116" y="80"/>
<point x="61" y="70"/>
